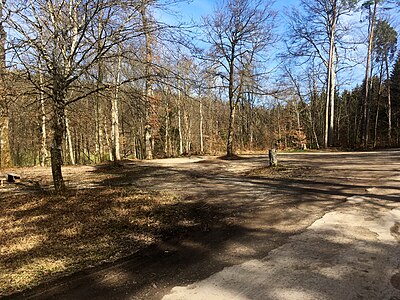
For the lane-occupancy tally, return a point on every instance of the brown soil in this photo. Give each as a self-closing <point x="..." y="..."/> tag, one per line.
<point x="256" y="208"/>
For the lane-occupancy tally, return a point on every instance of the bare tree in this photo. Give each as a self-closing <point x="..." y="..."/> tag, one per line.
<point x="239" y="33"/>
<point x="115" y="148"/>
<point x="5" y="154"/>
<point x="314" y="34"/>
<point x="147" y="30"/>
<point x="63" y="34"/>
<point x="372" y="10"/>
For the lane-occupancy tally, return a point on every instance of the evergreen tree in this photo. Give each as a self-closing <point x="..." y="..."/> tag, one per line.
<point x="395" y="91"/>
<point x="395" y="80"/>
<point x="385" y="42"/>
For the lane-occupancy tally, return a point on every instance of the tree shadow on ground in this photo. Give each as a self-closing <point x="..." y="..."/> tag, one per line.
<point x="254" y="215"/>
<point x="58" y="235"/>
<point x="182" y="254"/>
<point x="312" y="266"/>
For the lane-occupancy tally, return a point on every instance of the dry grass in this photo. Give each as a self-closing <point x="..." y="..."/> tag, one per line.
<point x="44" y="236"/>
<point x="280" y="172"/>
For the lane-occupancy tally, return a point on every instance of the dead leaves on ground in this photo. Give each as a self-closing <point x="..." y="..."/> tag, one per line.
<point x="43" y="236"/>
<point x="279" y="172"/>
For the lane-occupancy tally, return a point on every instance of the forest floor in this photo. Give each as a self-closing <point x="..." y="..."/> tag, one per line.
<point x="139" y="229"/>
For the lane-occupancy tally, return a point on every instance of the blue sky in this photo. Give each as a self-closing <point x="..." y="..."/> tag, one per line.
<point x="198" y="8"/>
<point x="195" y="9"/>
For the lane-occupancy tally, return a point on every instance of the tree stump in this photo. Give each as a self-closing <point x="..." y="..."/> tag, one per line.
<point x="273" y="160"/>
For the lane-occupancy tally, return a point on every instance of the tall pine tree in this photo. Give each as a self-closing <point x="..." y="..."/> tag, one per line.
<point x="395" y="80"/>
<point x="395" y="92"/>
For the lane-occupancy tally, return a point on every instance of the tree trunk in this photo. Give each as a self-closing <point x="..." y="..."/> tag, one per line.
<point x="229" y="145"/>
<point x="378" y="103"/>
<point x="43" y="137"/>
<point x="376" y="125"/>
<point x="279" y="125"/>
<point x="56" y="147"/>
<point x="188" y="132"/>
<point x="180" y="123"/>
<point x="389" y="109"/>
<point x="147" y="144"/>
<point x="332" y="104"/>
<point x="134" y="152"/>
<point x="99" y="129"/>
<point x="167" y="121"/>
<point x="69" y="141"/>
<point x="148" y="84"/>
<point x="365" y="116"/>
<point x="331" y="83"/>
<point x="327" y="102"/>
<point x="107" y="138"/>
<point x="232" y="101"/>
<point x="5" y="153"/>
<point x="310" y="118"/>
<point x="115" y="117"/>
<point x="201" y="127"/>
<point x="99" y="110"/>
<point x="5" y="159"/>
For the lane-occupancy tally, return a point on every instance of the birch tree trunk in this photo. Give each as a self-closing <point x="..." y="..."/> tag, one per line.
<point x="108" y="140"/>
<point x="232" y="102"/>
<point x="43" y="138"/>
<point x="331" y="82"/>
<point x="69" y="141"/>
<point x="327" y="103"/>
<point x="365" y="117"/>
<point x="99" y="106"/>
<point x="166" y="145"/>
<point x="180" y="123"/>
<point x="188" y="132"/>
<point x="378" y="104"/>
<point x="201" y="127"/>
<point x="332" y="102"/>
<point x="148" y="84"/>
<point x="99" y="130"/>
<point x="115" y="116"/>
<point x="389" y="95"/>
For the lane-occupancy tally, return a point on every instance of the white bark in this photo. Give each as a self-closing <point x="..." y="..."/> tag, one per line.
<point x="368" y="69"/>
<point x="180" y="123"/>
<point x="69" y="141"/>
<point x="115" y="115"/>
<point x="201" y="127"/>
<point x="389" y="109"/>
<point x="149" y="143"/>
<point x="331" y="82"/>
<point x="166" y="146"/>
<point x="43" y="138"/>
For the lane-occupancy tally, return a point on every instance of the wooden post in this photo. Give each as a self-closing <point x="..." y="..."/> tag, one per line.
<point x="273" y="161"/>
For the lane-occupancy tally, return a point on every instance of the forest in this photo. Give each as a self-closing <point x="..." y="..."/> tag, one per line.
<point x="85" y="82"/>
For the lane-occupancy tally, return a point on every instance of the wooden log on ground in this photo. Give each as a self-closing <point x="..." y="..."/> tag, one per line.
<point x="12" y="177"/>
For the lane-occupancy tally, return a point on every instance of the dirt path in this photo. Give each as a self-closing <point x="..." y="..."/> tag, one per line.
<point x="262" y="211"/>
<point x="350" y="253"/>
